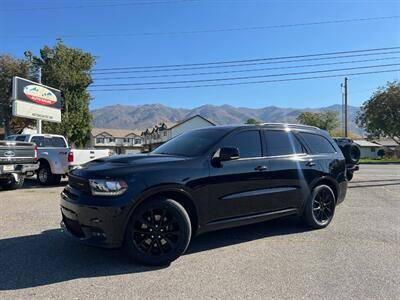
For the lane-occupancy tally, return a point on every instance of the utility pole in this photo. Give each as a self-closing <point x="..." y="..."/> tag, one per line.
<point x="345" y="108"/>
<point x="39" y="122"/>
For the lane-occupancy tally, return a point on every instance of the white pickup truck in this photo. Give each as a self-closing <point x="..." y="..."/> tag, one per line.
<point x="55" y="157"/>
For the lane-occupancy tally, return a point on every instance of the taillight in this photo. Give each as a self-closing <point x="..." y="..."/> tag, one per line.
<point x="70" y="156"/>
<point x="35" y="159"/>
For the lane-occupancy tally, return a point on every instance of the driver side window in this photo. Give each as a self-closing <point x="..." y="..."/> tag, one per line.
<point x="248" y="143"/>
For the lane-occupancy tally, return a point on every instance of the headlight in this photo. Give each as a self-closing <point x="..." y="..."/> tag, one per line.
<point x="107" y="187"/>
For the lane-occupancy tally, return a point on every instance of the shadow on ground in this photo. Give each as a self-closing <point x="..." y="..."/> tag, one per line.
<point x="31" y="183"/>
<point x="51" y="257"/>
<point x="374" y="183"/>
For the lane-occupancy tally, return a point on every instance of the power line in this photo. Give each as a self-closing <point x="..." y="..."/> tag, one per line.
<point x="246" y="70"/>
<point x="251" y="64"/>
<point x="140" y="3"/>
<point x="113" y="35"/>
<point x="244" y="83"/>
<point x="252" y="60"/>
<point x="244" y="77"/>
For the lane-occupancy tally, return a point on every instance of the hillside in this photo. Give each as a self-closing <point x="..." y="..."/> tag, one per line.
<point x="144" y="116"/>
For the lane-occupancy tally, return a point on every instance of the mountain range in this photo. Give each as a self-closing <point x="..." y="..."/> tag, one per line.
<point x="144" y="116"/>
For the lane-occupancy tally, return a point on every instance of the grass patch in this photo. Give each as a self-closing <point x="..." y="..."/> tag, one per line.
<point x="379" y="161"/>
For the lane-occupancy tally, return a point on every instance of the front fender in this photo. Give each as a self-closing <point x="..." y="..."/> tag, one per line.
<point x="157" y="190"/>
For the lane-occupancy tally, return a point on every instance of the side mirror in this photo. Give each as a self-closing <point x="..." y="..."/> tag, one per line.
<point x="226" y="154"/>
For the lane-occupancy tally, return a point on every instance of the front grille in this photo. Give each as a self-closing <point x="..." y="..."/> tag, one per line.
<point x="79" y="183"/>
<point x="73" y="227"/>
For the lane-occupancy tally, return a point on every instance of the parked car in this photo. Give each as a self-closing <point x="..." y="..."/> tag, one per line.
<point x="55" y="156"/>
<point x="17" y="159"/>
<point x="203" y="180"/>
<point x="352" y="154"/>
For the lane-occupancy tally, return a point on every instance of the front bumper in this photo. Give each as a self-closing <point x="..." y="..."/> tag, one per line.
<point x="97" y="225"/>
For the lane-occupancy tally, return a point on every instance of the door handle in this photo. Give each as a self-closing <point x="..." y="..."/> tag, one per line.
<point x="261" y="168"/>
<point x="310" y="163"/>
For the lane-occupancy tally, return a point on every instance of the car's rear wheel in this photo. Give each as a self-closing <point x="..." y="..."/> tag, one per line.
<point x="320" y="207"/>
<point x="12" y="182"/>
<point x="46" y="177"/>
<point x="159" y="232"/>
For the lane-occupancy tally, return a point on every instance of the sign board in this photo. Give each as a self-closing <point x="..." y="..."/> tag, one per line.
<point x="36" y="101"/>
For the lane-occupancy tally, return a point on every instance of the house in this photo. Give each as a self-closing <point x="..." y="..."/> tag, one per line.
<point x="387" y="143"/>
<point x="368" y="149"/>
<point x="159" y="134"/>
<point x="119" y="141"/>
<point x="391" y="147"/>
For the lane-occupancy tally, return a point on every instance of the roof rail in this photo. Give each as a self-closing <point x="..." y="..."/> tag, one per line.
<point x="288" y="125"/>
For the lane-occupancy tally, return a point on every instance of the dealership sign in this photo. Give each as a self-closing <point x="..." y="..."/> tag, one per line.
<point x="36" y="101"/>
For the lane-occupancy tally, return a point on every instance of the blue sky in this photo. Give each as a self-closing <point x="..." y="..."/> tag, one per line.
<point x="208" y="47"/>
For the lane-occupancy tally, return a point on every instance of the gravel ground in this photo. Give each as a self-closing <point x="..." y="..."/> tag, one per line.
<point x="357" y="256"/>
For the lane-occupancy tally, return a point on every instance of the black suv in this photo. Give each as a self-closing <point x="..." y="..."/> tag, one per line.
<point x="203" y="180"/>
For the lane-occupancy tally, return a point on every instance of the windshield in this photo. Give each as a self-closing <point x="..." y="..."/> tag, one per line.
<point x="191" y="143"/>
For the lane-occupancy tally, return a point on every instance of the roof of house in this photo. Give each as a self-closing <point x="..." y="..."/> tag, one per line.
<point x="386" y="143"/>
<point x="114" y="132"/>
<point x="364" y="143"/>
<point x="188" y="119"/>
<point x="170" y="125"/>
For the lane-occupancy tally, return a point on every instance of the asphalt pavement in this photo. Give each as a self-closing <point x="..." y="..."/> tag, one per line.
<point x="356" y="257"/>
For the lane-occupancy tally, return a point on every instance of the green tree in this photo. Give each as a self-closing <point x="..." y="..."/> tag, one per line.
<point x="9" y="67"/>
<point x="252" y="121"/>
<point x="327" y="120"/>
<point x="380" y="115"/>
<point x="68" y="69"/>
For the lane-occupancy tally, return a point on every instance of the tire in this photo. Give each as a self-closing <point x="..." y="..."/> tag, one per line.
<point x="13" y="183"/>
<point x="313" y="215"/>
<point x="349" y="175"/>
<point x="351" y="153"/>
<point x="158" y="232"/>
<point x="45" y="177"/>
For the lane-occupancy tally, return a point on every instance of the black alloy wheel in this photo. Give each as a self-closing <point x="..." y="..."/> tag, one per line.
<point x="159" y="232"/>
<point x="320" y="208"/>
<point x="323" y="206"/>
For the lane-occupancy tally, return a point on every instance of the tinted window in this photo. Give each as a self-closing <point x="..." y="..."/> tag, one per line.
<point x="191" y="143"/>
<point x="280" y="142"/>
<point x="38" y="140"/>
<point x="58" y="142"/>
<point x="248" y="143"/>
<point x="317" y="143"/>
<point x="47" y="142"/>
<point x="20" y="138"/>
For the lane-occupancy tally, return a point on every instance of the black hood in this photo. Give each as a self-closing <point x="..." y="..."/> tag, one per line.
<point x="120" y="165"/>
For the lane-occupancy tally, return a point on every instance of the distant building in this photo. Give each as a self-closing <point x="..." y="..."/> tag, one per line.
<point x="119" y="141"/>
<point x="390" y="144"/>
<point x="391" y="147"/>
<point x="368" y="149"/>
<point x="159" y="134"/>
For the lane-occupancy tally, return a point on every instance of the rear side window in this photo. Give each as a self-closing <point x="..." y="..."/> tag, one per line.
<point x="280" y="142"/>
<point x="38" y="140"/>
<point x="20" y="138"/>
<point x="58" y="142"/>
<point x="248" y="143"/>
<point x="317" y="143"/>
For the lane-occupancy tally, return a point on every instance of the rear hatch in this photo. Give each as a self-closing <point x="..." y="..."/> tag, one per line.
<point x="12" y="152"/>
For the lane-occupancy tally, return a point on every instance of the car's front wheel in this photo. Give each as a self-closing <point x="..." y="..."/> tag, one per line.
<point x="320" y="207"/>
<point x="159" y="232"/>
